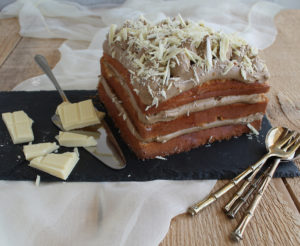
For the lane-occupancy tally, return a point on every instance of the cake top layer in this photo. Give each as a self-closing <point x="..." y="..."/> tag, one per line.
<point x="172" y="56"/>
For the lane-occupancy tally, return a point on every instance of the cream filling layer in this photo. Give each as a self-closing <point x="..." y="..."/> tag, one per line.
<point x="198" y="105"/>
<point x="165" y="138"/>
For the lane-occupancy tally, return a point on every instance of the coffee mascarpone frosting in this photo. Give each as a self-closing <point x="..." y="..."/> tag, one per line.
<point x="173" y="56"/>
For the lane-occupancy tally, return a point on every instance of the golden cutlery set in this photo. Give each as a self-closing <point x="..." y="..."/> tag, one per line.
<point x="281" y="143"/>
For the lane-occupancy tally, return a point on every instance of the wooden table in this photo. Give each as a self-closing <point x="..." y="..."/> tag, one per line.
<point x="277" y="220"/>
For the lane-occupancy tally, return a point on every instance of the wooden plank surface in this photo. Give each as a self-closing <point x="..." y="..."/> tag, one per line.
<point x="20" y="64"/>
<point x="285" y="71"/>
<point x="9" y="37"/>
<point x="275" y="223"/>
<point x="277" y="219"/>
<point x="293" y="187"/>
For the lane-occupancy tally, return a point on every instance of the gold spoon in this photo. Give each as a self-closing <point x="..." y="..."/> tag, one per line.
<point x="267" y="176"/>
<point x="275" y="139"/>
<point x="240" y="197"/>
<point x="271" y="138"/>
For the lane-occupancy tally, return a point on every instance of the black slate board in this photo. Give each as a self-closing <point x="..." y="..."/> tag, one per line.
<point x="221" y="160"/>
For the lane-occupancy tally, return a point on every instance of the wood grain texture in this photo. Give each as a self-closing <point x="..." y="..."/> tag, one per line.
<point x="293" y="187"/>
<point x="9" y="37"/>
<point x="276" y="222"/>
<point x="285" y="73"/>
<point x="20" y="64"/>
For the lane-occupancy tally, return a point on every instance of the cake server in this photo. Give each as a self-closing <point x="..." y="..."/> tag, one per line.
<point x="107" y="150"/>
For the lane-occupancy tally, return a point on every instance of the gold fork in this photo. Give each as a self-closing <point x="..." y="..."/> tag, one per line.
<point x="274" y="150"/>
<point x="267" y="176"/>
<point x="228" y="207"/>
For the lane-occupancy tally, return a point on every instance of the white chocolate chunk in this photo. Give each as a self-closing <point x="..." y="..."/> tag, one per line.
<point x="77" y="115"/>
<point x="34" y="150"/>
<point x="58" y="165"/>
<point x="70" y="139"/>
<point x="19" y="126"/>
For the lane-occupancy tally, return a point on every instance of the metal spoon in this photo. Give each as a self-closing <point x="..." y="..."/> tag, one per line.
<point x="272" y="136"/>
<point x="107" y="149"/>
<point x="268" y="174"/>
<point x="277" y="138"/>
<point x="233" y="206"/>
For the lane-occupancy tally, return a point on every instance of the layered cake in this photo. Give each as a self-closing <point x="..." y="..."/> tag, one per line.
<point x="175" y="85"/>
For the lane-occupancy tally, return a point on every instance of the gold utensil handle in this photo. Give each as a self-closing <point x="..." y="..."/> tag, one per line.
<point x="196" y="208"/>
<point x="239" y="193"/>
<point x="236" y="196"/>
<point x="244" y="197"/>
<point x="238" y="233"/>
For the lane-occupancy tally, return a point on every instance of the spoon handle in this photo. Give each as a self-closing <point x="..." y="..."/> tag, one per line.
<point x="42" y="62"/>
<point x="238" y="233"/>
<point x="245" y="196"/>
<point x="196" y="208"/>
<point x="229" y="205"/>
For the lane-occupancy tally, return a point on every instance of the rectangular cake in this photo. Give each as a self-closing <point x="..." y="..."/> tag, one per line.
<point x="176" y="85"/>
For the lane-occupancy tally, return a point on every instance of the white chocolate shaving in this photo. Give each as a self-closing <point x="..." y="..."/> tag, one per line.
<point x="208" y="54"/>
<point x="224" y="46"/>
<point x="163" y="93"/>
<point x="196" y="75"/>
<point x="167" y="74"/>
<point x="155" y="102"/>
<point x="252" y="128"/>
<point x="228" y="67"/>
<point x="181" y="20"/>
<point x="243" y="73"/>
<point x="111" y="35"/>
<point x="124" y="34"/>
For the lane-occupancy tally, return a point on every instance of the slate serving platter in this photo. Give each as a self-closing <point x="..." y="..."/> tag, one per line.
<point x="220" y="160"/>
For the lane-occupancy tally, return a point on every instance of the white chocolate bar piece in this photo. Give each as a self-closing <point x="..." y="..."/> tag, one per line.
<point x="19" y="126"/>
<point x="58" y="165"/>
<point x="34" y="150"/>
<point x="70" y="139"/>
<point x="77" y="115"/>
